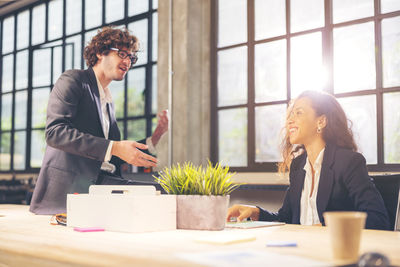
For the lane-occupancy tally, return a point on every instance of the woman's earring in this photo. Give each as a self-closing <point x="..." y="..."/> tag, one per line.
<point x="319" y="130"/>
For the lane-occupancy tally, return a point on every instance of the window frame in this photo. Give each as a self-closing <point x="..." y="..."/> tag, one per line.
<point x="125" y="21"/>
<point x="327" y="60"/>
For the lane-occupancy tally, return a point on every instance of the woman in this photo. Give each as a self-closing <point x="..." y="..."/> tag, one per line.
<point x="327" y="173"/>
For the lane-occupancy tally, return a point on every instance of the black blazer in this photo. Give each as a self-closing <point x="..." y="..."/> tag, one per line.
<point x="344" y="185"/>
<point x="76" y="146"/>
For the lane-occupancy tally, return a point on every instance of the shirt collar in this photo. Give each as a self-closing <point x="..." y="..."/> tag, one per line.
<point x="104" y="93"/>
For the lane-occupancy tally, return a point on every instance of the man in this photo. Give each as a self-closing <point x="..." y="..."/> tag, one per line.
<point x="82" y="135"/>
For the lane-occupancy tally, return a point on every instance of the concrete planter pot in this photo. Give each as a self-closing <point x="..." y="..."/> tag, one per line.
<point x="196" y="212"/>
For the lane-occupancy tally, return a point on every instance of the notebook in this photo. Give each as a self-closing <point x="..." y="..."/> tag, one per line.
<point x="251" y="224"/>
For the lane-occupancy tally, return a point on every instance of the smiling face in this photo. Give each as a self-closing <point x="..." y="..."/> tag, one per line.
<point x="302" y="123"/>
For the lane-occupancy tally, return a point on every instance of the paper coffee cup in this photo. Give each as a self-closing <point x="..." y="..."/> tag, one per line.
<point x="345" y="228"/>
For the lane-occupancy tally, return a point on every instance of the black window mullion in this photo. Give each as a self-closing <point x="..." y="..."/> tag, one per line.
<point x="29" y="108"/>
<point x="288" y="82"/>
<point x="46" y="34"/>
<point x="327" y="46"/>
<point x="64" y="33"/>
<point x="82" y="33"/>
<point x="13" y="95"/>
<point x="149" y="72"/>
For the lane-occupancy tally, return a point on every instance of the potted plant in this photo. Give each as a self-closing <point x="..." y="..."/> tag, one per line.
<point x="202" y="194"/>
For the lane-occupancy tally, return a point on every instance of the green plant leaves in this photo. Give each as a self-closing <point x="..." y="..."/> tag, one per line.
<point x="191" y="180"/>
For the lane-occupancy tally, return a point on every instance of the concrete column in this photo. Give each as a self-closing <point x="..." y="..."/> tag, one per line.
<point x="191" y="79"/>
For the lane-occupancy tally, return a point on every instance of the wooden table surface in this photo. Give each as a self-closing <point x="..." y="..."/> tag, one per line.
<point x="30" y="240"/>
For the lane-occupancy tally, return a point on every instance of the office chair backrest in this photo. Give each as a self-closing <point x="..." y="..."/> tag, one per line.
<point x="389" y="187"/>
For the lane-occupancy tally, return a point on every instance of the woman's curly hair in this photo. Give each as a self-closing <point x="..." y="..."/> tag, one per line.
<point x="106" y="38"/>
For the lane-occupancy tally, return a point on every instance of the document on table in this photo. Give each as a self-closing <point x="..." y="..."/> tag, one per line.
<point x="242" y="258"/>
<point x="251" y="224"/>
<point x="225" y="238"/>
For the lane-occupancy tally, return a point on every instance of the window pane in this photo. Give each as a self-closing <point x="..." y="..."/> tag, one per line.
<point x="269" y="18"/>
<point x="354" y="58"/>
<point x="137" y="6"/>
<point x="390" y="5"/>
<point x="19" y="150"/>
<point x="269" y="123"/>
<point x="21" y="102"/>
<point x="307" y="72"/>
<point x="6" y="112"/>
<point x="73" y="16"/>
<point x="391" y="51"/>
<point x="117" y="89"/>
<point x="38" y="147"/>
<point x="136" y="129"/>
<point x="55" y="26"/>
<point x="270" y="71"/>
<point x="73" y="52"/>
<point x="89" y="35"/>
<point x="155" y="37"/>
<point x="232" y="139"/>
<point x="232" y="22"/>
<point x="136" y="91"/>
<point x="361" y="111"/>
<point x="232" y="76"/>
<point x="38" y="24"/>
<point x="8" y="70"/>
<point x="155" y="4"/>
<point x="154" y="124"/>
<point x="391" y="127"/>
<point x="93" y="15"/>
<point x="8" y="34"/>
<point x="21" y="79"/>
<point x="40" y="97"/>
<point x="305" y="15"/>
<point x="23" y="29"/>
<point x="5" y="148"/>
<point x="154" y="91"/>
<point x="350" y="10"/>
<point x="139" y="29"/>
<point x="57" y="63"/>
<point x="41" y="67"/>
<point x="115" y="10"/>
<point x="121" y="129"/>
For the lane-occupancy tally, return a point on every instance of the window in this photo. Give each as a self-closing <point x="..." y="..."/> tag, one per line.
<point x="266" y="52"/>
<point x="44" y="39"/>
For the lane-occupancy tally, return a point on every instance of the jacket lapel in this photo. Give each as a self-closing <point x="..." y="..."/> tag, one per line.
<point x="296" y="187"/>
<point x="325" y="180"/>
<point x="95" y="93"/>
<point x="114" y="133"/>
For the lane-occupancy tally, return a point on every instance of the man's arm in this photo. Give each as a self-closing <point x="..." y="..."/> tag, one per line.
<point x="62" y="111"/>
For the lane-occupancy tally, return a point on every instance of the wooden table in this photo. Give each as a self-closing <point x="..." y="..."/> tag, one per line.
<point x="29" y="240"/>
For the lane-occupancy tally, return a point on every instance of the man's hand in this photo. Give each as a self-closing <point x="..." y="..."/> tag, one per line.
<point x="242" y="212"/>
<point x="162" y="127"/>
<point x="129" y="151"/>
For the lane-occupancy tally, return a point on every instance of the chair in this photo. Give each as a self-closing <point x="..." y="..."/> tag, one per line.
<point x="389" y="187"/>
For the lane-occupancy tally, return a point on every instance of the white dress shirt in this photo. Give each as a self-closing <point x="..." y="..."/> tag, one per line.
<point x="308" y="204"/>
<point x="105" y="98"/>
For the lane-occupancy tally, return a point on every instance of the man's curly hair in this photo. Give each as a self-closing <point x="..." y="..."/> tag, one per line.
<point x="107" y="38"/>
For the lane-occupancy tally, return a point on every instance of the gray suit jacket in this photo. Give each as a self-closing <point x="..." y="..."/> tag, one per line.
<point x="76" y="146"/>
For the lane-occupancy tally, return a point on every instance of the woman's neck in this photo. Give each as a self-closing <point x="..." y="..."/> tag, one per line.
<point x="314" y="148"/>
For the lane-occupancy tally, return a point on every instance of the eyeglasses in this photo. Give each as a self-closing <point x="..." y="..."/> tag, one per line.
<point x="124" y="54"/>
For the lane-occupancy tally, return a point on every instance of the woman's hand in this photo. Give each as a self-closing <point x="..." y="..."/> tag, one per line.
<point x="243" y="212"/>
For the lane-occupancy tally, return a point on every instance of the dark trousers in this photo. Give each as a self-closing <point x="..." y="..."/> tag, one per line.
<point x="106" y="178"/>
